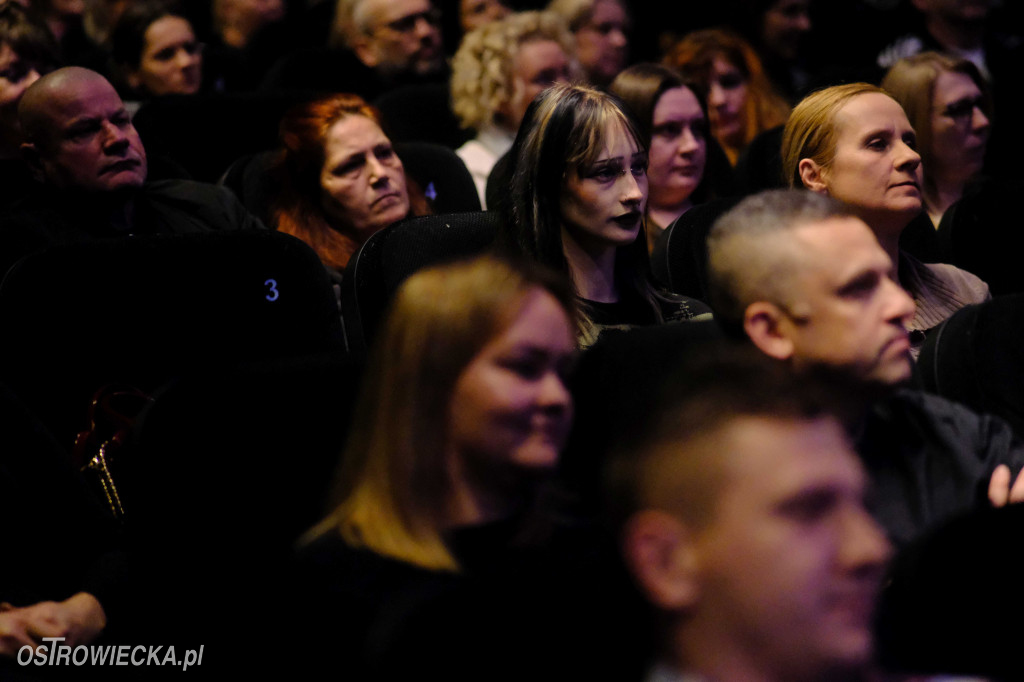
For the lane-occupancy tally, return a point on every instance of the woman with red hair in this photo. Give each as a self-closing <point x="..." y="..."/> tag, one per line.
<point x="741" y="100"/>
<point x="340" y="179"/>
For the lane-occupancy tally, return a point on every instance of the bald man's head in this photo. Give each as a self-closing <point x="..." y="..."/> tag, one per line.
<point x="78" y="134"/>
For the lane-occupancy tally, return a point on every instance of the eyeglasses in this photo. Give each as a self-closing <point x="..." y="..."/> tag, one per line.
<point x="407" y="24"/>
<point x="964" y="108"/>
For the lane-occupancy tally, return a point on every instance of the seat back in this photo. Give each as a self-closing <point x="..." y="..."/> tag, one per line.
<point x="388" y="257"/>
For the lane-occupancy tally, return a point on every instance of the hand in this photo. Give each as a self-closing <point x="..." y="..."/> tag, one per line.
<point x="79" y="619"/>
<point x="1000" y="493"/>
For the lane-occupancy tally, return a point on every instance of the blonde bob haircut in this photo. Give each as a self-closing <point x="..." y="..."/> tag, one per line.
<point x="911" y="82"/>
<point x="393" y="484"/>
<point x="482" y="69"/>
<point x="810" y="132"/>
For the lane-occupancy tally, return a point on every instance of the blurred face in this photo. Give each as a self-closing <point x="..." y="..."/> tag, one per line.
<point x="602" y="44"/>
<point x="172" y="60"/>
<point x="972" y="11"/>
<point x="845" y="310"/>
<point x="404" y="36"/>
<point x="960" y="128"/>
<point x="784" y="25"/>
<point x="603" y="204"/>
<point x="475" y="13"/>
<point x="362" y="181"/>
<point x="510" y="410"/>
<point x="91" y="143"/>
<point x="537" y="65"/>
<point x="15" y="76"/>
<point x="876" y="167"/>
<point x="727" y="100"/>
<point x="678" y="148"/>
<point x="791" y="563"/>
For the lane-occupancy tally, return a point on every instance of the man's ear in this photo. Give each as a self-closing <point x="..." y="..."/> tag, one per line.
<point x="366" y="51"/>
<point x="765" y="324"/>
<point x="812" y="175"/>
<point x="661" y="554"/>
<point x="34" y="160"/>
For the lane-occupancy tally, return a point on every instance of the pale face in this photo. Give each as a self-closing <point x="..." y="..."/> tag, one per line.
<point x="15" y="76"/>
<point x="404" y="37"/>
<point x="876" y="168"/>
<point x="602" y="44"/>
<point x="362" y="180"/>
<point x="537" y="65"/>
<point x="172" y="60"/>
<point x="846" y="311"/>
<point x="510" y="410"/>
<point x="790" y="563"/>
<point x="727" y="100"/>
<point x="960" y="128"/>
<point x="475" y="13"/>
<point x="91" y="145"/>
<point x="678" y="148"/>
<point x="784" y="25"/>
<point x="602" y="205"/>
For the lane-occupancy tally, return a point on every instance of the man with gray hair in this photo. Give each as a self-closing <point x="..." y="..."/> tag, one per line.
<point x="808" y="284"/>
<point x="395" y="38"/>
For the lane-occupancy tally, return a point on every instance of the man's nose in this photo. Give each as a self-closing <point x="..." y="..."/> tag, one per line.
<point x="900" y="306"/>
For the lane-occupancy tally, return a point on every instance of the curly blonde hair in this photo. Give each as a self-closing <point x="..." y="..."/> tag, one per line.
<point x="482" y="67"/>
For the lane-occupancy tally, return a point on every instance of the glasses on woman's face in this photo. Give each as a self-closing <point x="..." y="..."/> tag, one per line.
<point x="963" y="109"/>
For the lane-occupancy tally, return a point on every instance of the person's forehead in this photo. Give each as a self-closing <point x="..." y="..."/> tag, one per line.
<point x="867" y="111"/>
<point x="677" y="103"/>
<point x="537" y="54"/>
<point x="351" y="134"/>
<point x="952" y="85"/>
<point x="379" y="12"/>
<point x="772" y="459"/>
<point x="82" y="99"/>
<point x="836" y="243"/>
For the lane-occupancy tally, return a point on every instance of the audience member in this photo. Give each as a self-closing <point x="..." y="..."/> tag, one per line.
<point x="947" y="103"/>
<point x="602" y="29"/>
<point x="854" y="142"/>
<point x="340" y="180"/>
<point x="578" y="197"/>
<point x="397" y="39"/>
<point x="27" y="50"/>
<point x="778" y="31"/>
<point x="81" y="144"/>
<point x="155" y="52"/>
<point x="236" y="22"/>
<point x="805" y="280"/>
<point x="743" y="522"/>
<point x="496" y="73"/>
<point x="674" y="127"/>
<point x="741" y="100"/>
<point x="475" y="13"/>
<point x="442" y="483"/>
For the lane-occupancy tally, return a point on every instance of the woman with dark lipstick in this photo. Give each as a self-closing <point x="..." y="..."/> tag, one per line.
<point x="854" y="142"/>
<point x="578" y="199"/>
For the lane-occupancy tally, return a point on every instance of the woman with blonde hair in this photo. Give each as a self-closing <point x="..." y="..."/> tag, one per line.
<point x="948" y="103"/>
<point x="577" y="205"/>
<point x="458" y="429"/>
<point x="853" y="142"/>
<point x="339" y="178"/>
<point x="496" y="72"/>
<point x="741" y="100"/>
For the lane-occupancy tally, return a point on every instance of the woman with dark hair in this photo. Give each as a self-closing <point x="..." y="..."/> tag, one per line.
<point x="27" y="51"/>
<point x="154" y="52"/>
<point x="672" y="120"/>
<point x="948" y="103"/>
<point x="577" y="205"/>
<point x="741" y="100"/>
<point x="339" y="178"/>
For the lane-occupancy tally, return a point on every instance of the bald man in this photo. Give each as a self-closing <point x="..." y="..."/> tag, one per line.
<point x="805" y="281"/>
<point x="80" y="144"/>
